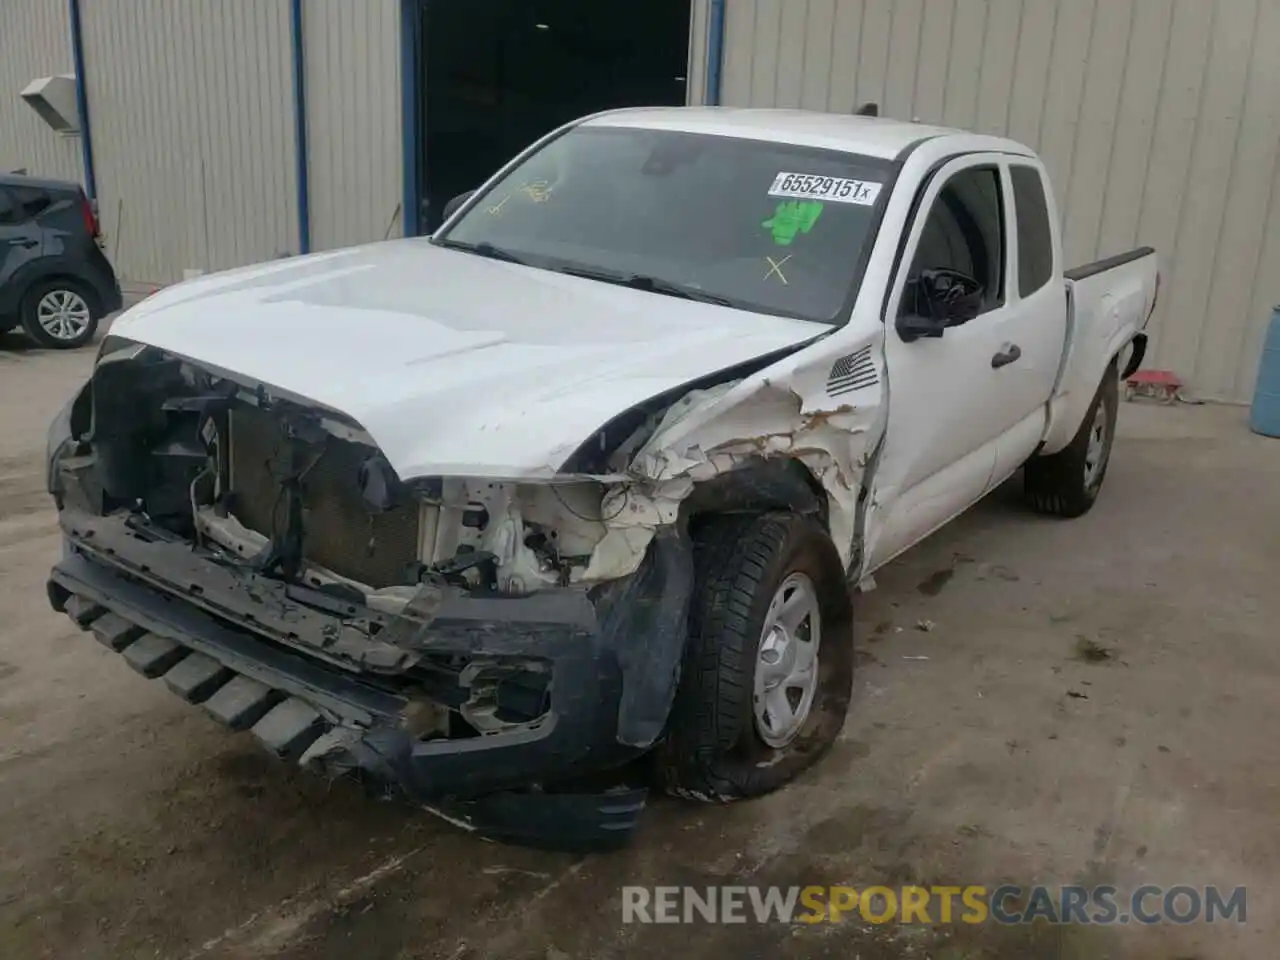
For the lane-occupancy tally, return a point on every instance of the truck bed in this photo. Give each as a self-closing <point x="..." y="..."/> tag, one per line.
<point x="1109" y="302"/>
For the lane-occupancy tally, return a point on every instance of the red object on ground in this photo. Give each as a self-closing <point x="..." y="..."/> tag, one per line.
<point x="1163" y="384"/>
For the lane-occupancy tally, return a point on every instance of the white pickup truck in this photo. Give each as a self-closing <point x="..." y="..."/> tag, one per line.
<point x="588" y="474"/>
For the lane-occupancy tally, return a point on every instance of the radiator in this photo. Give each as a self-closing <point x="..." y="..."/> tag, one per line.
<point x="339" y="531"/>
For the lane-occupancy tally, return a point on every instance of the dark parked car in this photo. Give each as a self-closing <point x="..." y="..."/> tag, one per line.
<point x="54" y="278"/>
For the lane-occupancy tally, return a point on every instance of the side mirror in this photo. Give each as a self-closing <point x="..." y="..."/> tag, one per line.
<point x="938" y="299"/>
<point x="452" y="206"/>
<point x="912" y="327"/>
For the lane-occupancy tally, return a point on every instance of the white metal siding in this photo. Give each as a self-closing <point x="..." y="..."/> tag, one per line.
<point x="35" y="41"/>
<point x="352" y="56"/>
<point x="192" y="112"/>
<point x="1159" y="121"/>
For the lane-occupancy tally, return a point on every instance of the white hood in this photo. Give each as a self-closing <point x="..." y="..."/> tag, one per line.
<point x="453" y="364"/>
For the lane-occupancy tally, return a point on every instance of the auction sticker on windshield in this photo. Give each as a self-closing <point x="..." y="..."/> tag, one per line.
<point x="808" y="186"/>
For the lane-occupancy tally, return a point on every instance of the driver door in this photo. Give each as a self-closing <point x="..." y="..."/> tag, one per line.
<point x="945" y="411"/>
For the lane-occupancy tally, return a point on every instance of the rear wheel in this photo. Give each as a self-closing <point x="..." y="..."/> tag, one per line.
<point x="1066" y="484"/>
<point x="768" y="671"/>
<point x="60" y="313"/>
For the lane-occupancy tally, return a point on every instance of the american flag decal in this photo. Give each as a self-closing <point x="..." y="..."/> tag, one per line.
<point x="853" y="372"/>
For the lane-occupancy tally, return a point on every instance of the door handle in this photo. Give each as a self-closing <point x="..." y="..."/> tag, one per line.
<point x="23" y="242"/>
<point x="1009" y="354"/>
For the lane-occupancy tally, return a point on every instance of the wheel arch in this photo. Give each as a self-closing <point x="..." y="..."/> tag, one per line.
<point x="60" y="270"/>
<point x="760" y="485"/>
<point x="83" y="286"/>
<point x="651" y="670"/>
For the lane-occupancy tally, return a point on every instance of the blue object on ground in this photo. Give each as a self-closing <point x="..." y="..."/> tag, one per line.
<point x="1264" y="417"/>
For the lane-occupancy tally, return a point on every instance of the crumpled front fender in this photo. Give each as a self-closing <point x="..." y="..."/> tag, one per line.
<point x="794" y="414"/>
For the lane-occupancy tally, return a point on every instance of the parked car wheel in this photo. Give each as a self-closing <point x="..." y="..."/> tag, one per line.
<point x="1066" y="484"/>
<point x="60" y="313"/>
<point x="768" y="670"/>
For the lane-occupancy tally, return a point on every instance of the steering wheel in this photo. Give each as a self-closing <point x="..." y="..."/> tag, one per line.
<point x="950" y="294"/>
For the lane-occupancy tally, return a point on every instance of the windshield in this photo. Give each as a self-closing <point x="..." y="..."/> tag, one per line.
<point x="764" y="226"/>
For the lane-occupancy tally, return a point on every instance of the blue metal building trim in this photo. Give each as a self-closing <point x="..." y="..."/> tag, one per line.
<point x="300" y="127"/>
<point x="82" y="101"/>
<point x="715" y="52"/>
<point x="411" y="203"/>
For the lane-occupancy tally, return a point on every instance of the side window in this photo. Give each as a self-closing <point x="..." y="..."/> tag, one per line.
<point x="7" y="212"/>
<point x="964" y="233"/>
<point x="1035" y="237"/>
<point x="31" y="201"/>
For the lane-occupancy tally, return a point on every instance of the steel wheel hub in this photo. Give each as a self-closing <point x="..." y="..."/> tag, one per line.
<point x="786" y="670"/>
<point x="63" y="314"/>
<point x="1095" y="455"/>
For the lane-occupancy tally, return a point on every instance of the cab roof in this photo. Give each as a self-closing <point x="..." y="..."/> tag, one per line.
<point x="869" y="136"/>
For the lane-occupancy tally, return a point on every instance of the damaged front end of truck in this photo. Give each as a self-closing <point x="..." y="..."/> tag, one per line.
<point x="472" y="642"/>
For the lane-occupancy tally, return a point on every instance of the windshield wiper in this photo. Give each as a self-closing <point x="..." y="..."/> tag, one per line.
<point x="484" y="249"/>
<point x="639" y="281"/>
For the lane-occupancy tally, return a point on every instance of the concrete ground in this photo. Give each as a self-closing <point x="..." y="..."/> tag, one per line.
<point x="1099" y="703"/>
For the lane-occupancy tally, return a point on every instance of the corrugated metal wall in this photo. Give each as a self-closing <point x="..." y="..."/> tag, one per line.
<point x="35" y="41"/>
<point x="353" y="120"/>
<point x="1159" y="121"/>
<point x="191" y="106"/>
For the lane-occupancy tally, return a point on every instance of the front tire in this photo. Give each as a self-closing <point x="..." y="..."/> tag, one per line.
<point x="768" y="670"/>
<point x="1067" y="483"/>
<point x="60" y="314"/>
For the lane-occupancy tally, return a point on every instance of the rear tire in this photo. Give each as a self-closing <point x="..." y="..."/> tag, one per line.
<point x="60" y="313"/>
<point x="769" y="598"/>
<point x="1066" y="484"/>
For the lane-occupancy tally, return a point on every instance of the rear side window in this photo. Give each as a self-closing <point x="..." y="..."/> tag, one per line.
<point x="8" y="212"/>
<point x="1035" y="239"/>
<point x="31" y="201"/>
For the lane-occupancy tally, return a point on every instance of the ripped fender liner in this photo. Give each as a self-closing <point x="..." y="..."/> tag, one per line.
<point x="645" y="619"/>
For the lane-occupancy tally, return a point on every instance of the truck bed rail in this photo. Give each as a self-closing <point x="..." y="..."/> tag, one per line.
<point x="1109" y="263"/>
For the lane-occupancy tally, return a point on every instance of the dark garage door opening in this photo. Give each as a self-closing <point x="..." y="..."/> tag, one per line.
<point x="495" y="75"/>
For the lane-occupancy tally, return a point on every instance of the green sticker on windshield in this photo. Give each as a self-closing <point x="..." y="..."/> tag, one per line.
<point x="792" y="217"/>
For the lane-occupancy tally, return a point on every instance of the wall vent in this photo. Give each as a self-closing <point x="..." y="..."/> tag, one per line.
<point x="54" y="99"/>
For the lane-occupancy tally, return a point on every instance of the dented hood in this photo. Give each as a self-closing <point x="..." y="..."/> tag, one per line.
<point x="453" y="364"/>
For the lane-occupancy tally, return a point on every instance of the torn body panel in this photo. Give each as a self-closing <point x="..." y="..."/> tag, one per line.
<point x="285" y="525"/>
<point x="789" y="415"/>
<point x="377" y="729"/>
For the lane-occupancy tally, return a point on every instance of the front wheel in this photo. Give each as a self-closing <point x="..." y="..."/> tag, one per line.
<point x="1066" y="484"/>
<point x="768" y="671"/>
<point x="60" y="313"/>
